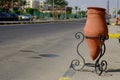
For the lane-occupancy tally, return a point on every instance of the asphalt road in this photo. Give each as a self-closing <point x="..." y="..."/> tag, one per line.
<point x="37" y="51"/>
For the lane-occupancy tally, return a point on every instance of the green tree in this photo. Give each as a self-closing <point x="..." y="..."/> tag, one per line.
<point x="29" y="10"/>
<point x="8" y="4"/>
<point x="118" y="12"/>
<point x="76" y="8"/>
<point x="58" y="4"/>
<point x="83" y="13"/>
<point x="23" y="2"/>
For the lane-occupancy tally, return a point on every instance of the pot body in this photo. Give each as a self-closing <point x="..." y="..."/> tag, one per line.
<point x="118" y="21"/>
<point x="94" y="27"/>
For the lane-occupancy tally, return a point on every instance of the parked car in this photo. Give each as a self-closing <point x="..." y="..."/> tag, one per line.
<point x="4" y="16"/>
<point x="13" y="16"/>
<point x="26" y="17"/>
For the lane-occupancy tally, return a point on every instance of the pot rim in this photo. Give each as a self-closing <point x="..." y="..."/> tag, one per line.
<point x="96" y="8"/>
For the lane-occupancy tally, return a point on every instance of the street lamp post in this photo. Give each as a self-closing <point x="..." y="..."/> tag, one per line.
<point x="53" y="9"/>
<point x="12" y="5"/>
<point x="117" y="7"/>
<point x="108" y="6"/>
<point x="65" y="12"/>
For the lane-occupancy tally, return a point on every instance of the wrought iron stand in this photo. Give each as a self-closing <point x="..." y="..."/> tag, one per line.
<point x="100" y="66"/>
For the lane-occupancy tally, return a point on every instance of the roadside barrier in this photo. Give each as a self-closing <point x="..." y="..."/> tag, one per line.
<point x="116" y="35"/>
<point x="38" y="21"/>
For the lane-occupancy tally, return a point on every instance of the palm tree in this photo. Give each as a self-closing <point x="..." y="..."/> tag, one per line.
<point x="57" y="4"/>
<point x="76" y="7"/>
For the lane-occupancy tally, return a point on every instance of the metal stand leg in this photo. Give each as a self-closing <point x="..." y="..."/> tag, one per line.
<point x="100" y="67"/>
<point x="76" y="64"/>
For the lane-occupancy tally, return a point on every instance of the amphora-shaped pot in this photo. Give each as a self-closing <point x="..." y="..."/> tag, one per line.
<point x="94" y="27"/>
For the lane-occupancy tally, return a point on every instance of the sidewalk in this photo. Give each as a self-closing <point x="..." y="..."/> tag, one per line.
<point x="112" y="56"/>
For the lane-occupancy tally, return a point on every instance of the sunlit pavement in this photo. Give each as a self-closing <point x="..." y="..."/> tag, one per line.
<point x="111" y="56"/>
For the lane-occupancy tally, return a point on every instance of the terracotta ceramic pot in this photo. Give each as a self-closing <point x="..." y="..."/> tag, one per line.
<point x="94" y="27"/>
<point x="118" y="21"/>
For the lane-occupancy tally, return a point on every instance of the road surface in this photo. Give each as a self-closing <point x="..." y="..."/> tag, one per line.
<point x="37" y="51"/>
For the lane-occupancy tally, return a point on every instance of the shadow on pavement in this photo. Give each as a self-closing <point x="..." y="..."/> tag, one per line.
<point x="113" y="70"/>
<point x="49" y="55"/>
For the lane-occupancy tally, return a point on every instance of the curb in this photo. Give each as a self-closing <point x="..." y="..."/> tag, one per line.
<point x="40" y="21"/>
<point x="65" y="78"/>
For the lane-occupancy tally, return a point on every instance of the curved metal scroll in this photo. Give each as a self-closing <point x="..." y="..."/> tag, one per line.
<point x="76" y="64"/>
<point x="100" y="67"/>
